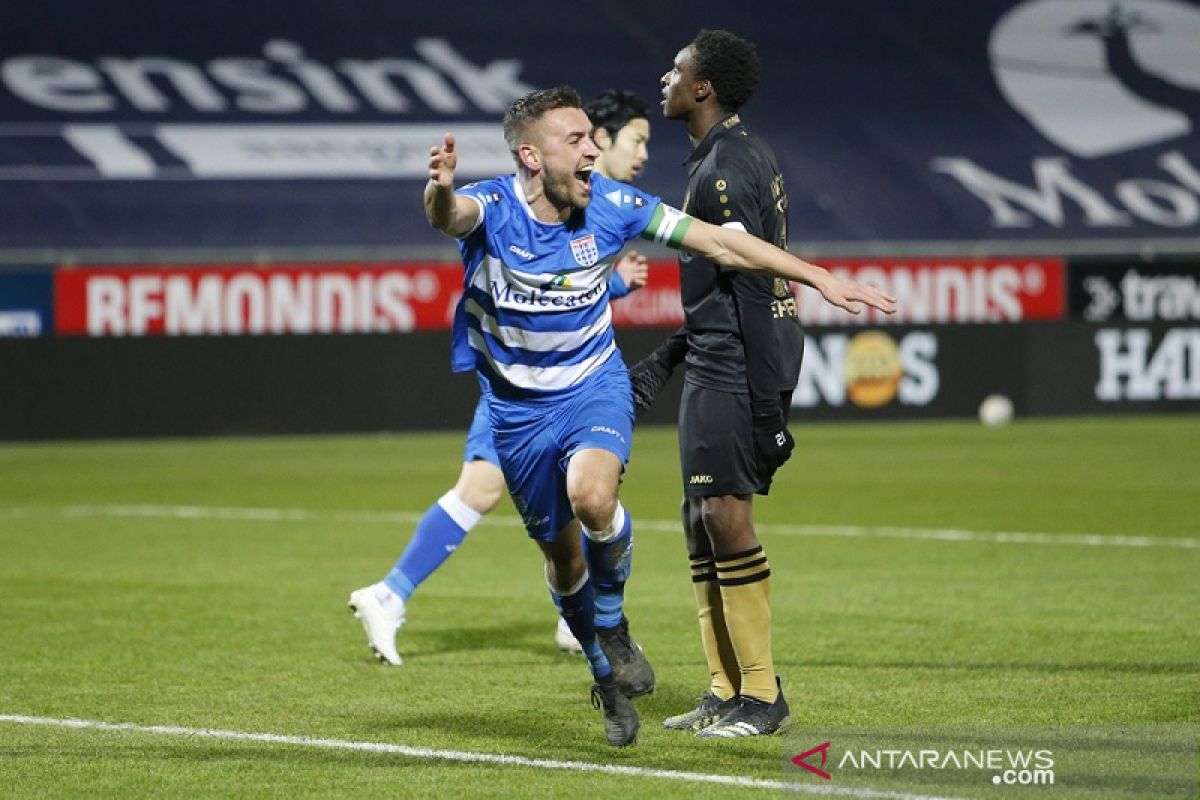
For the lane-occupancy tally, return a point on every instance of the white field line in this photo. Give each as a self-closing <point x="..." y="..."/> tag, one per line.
<point x="458" y="755"/>
<point x="665" y="526"/>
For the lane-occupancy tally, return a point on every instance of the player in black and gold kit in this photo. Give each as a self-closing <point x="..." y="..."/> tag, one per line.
<point x="743" y="343"/>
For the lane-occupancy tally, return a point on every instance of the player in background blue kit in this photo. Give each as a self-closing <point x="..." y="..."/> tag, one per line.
<point x="622" y="133"/>
<point x="534" y="323"/>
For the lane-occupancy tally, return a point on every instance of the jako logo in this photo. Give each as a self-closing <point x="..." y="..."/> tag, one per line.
<point x="696" y="480"/>
<point x="800" y="761"/>
<point x="1135" y="64"/>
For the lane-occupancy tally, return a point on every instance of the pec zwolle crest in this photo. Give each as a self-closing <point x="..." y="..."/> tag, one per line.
<point x="585" y="251"/>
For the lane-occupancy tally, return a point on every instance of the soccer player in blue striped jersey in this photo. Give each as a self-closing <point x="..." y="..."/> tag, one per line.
<point x="534" y="324"/>
<point x="621" y="129"/>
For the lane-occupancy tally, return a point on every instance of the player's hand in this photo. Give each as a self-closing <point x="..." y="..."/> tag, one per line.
<point x="773" y="443"/>
<point x="647" y="378"/>
<point x="442" y="162"/>
<point x="634" y="270"/>
<point x="851" y="295"/>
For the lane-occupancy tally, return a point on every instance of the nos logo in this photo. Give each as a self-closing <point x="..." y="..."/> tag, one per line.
<point x="1098" y="77"/>
<point x="868" y="370"/>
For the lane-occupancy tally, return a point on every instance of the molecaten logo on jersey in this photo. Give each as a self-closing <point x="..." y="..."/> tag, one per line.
<point x="1097" y="79"/>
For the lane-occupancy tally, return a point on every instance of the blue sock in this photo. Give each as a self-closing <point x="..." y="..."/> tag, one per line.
<point x="438" y="534"/>
<point x="579" y="609"/>
<point x="609" y="564"/>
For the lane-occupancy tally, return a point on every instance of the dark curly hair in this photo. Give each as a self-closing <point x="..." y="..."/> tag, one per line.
<point x="729" y="63"/>
<point x="531" y="107"/>
<point x="614" y="108"/>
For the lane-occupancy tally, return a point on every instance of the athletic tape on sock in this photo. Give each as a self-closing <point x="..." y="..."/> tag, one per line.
<point x="613" y="530"/>
<point x="463" y="515"/>
<point x="574" y="589"/>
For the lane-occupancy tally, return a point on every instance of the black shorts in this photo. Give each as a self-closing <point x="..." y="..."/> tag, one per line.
<point x="716" y="443"/>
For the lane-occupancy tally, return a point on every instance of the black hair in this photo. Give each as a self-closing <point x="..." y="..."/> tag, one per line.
<point x="613" y="109"/>
<point x="531" y="107"/>
<point x="729" y="63"/>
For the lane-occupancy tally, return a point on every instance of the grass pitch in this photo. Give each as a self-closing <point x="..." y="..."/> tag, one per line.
<point x="202" y="585"/>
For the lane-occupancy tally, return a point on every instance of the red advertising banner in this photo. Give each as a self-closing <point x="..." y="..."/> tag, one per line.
<point x="251" y="300"/>
<point x="655" y="305"/>
<point x="948" y="290"/>
<point x="246" y="300"/>
<point x="928" y="291"/>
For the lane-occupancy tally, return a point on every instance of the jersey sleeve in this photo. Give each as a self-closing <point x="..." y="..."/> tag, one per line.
<point x="617" y="287"/>
<point x="486" y="195"/>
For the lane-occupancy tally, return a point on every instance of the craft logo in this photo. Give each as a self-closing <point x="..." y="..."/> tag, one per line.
<point x="1096" y="78"/>
<point x="531" y="521"/>
<point x="522" y="252"/>
<point x="1008" y="767"/>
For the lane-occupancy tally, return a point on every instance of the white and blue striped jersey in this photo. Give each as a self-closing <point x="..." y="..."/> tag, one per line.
<point x="534" y="316"/>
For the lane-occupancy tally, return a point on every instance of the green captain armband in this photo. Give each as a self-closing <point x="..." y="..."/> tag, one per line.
<point x="667" y="226"/>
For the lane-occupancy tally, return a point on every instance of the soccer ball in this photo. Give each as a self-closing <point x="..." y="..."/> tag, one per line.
<point x="995" y="410"/>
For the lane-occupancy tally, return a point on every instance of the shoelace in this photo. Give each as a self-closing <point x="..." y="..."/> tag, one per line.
<point x="746" y="707"/>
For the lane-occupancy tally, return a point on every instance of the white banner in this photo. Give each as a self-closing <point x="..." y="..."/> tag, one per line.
<point x="283" y="151"/>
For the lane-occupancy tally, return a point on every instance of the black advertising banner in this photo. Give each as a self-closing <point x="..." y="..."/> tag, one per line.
<point x="909" y="371"/>
<point x="77" y="386"/>
<point x="1097" y="369"/>
<point x="1046" y="369"/>
<point x="1135" y="290"/>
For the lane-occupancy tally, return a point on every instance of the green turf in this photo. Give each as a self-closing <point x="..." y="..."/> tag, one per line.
<point x="239" y="624"/>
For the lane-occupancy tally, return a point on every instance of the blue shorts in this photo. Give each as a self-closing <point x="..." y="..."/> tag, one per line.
<point x="480" y="445"/>
<point x="535" y="438"/>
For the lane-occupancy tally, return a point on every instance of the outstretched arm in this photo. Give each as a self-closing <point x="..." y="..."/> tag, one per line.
<point x="450" y="213"/>
<point x="730" y="247"/>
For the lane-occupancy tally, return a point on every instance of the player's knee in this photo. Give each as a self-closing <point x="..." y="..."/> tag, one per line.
<point x="722" y="519"/>
<point x="482" y="498"/>
<point x="594" y="506"/>
<point x="480" y="486"/>
<point x="713" y="518"/>
<point x="691" y="511"/>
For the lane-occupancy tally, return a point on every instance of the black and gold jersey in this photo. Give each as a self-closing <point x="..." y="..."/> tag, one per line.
<point x="743" y="331"/>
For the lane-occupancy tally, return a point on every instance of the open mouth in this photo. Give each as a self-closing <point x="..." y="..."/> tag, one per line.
<point x="584" y="176"/>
